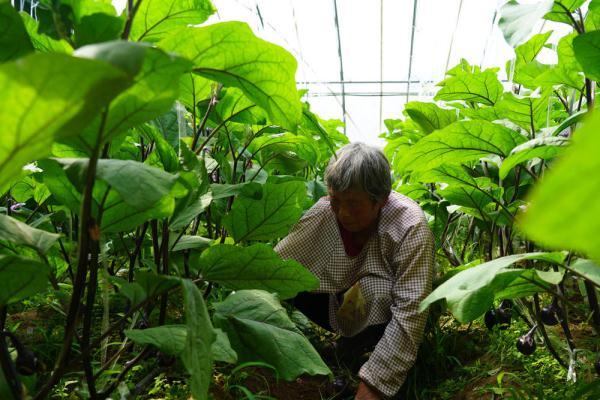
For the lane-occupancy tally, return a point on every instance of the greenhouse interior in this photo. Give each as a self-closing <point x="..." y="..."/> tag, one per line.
<point x="298" y="200"/>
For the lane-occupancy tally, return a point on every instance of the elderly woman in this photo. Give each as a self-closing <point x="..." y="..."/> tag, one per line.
<point x="372" y="250"/>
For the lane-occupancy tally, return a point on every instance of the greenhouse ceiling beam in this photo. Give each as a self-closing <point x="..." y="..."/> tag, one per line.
<point x="361" y="94"/>
<point x="412" y="46"/>
<point x="380" y="62"/>
<point x="339" y="43"/>
<point x="364" y="82"/>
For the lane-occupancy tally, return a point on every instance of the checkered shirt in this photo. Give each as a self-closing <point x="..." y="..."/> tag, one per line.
<point x="394" y="271"/>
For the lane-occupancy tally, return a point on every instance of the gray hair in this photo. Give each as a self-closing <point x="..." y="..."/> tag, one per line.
<point x="360" y="166"/>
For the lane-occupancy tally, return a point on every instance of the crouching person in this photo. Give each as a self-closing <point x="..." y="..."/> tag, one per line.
<point x="373" y="251"/>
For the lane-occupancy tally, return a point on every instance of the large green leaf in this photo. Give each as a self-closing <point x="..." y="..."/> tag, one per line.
<point x="41" y="42"/>
<point x="119" y="216"/>
<point x="229" y="53"/>
<point x="235" y="103"/>
<point x="139" y="185"/>
<point x="529" y="112"/>
<point x="272" y="150"/>
<point x="529" y="50"/>
<point x="587" y="52"/>
<point x="14" y="40"/>
<point x="171" y="339"/>
<point x="592" y="20"/>
<point x="57" y="182"/>
<point x="18" y="232"/>
<point x="259" y="329"/>
<point x="327" y="131"/>
<point x="155" y="89"/>
<point x="20" y="278"/>
<point x="565" y="211"/>
<point x="48" y="96"/>
<point x="267" y="218"/>
<point x="542" y="147"/>
<point x="193" y="89"/>
<point x="197" y="355"/>
<point x="460" y="142"/>
<point x="157" y="18"/>
<point x="566" y="53"/>
<point x="471" y="196"/>
<point x="429" y="116"/>
<point x="587" y="268"/>
<point x="471" y="86"/>
<point x="255" y="267"/>
<point x="98" y="27"/>
<point x="518" y="20"/>
<point x="562" y="9"/>
<point x="471" y="292"/>
<point x="123" y="210"/>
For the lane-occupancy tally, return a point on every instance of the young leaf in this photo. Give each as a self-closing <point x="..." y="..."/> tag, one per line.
<point x="197" y="355"/>
<point x="259" y="329"/>
<point x="20" y="278"/>
<point x="587" y="52"/>
<point x="157" y="18"/>
<point x="17" y="232"/>
<point x="460" y="142"/>
<point x="48" y="96"/>
<point x="471" y="292"/>
<point x="429" y="116"/>
<point x="564" y="211"/>
<point x="269" y="218"/>
<point x="542" y="147"/>
<point x="195" y="178"/>
<point x="255" y="267"/>
<point x="229" y="53"/>
<point x="14" y="40"/>
<point x="518" y="20"/>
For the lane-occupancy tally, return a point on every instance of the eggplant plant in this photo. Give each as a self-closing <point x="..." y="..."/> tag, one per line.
<point x="508" y="174"/>
<point x="149" y="162"/>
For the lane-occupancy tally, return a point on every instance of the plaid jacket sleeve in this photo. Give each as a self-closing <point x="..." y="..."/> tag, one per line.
<point x="396" y="352"/>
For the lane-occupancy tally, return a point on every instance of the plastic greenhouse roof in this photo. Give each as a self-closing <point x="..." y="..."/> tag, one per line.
<point x="376" y="40"/>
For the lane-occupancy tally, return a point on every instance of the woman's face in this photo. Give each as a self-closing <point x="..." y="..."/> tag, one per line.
<point x="354" y="209"/>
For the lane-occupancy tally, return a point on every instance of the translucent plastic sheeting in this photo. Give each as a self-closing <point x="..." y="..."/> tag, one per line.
<point x="442" y="36"/>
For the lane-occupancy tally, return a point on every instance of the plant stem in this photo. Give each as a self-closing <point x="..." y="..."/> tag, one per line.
<point x="83" y="252"/>
<point x="211" y="104"/>
<point x="87" y="321"/>
<point x="589" y="93"/>
<point x="8" y="368"/>
<point x="593" y="300"/>
<point x="131" y="11"/>
<point x="165" y="270"/>
<point x="540" y="324"/>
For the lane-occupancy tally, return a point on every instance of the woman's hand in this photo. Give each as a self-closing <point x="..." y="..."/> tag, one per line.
<point x="364" y="392"/>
